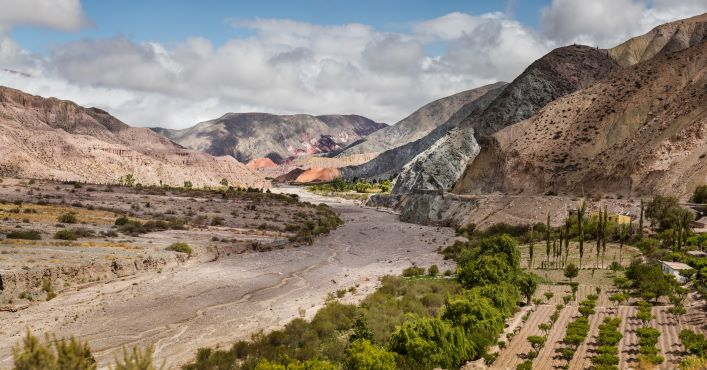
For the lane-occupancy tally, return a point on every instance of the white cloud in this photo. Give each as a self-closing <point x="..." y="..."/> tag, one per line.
<point x="286" y="66"/>
<point x="606" y="23"/>
<point x="64" y="15"/>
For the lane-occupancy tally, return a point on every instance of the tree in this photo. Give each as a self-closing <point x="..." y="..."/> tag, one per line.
<point x="604" y="228"/>
<point x="537" y="342"/>
<point x="527" y="284"/>
<point x="664" y="212"/>
<point x="361" y="330"/>
<point x="567" y="240"/>
<point x="188" y="185"/>
<point x="580" y="225"/>
<point x="600" y="221"/>
<point x="571" y="271"/>
<point x="622" y="237"/>
<point x="362" y="355"/>
<point x="547" y="239"/>
<point x="432" y="342"/>
<point x="224" y="182"/>
<point x="644" y="312"/>
<point x="485" y="270"/>
<point x="640" y="222"/>
<point x="531" y="250"/>
<point x="617" y="299"/>
<point x="549" y="295"/>
<point x="545" y="327"/>
<point x="700" y="194"/>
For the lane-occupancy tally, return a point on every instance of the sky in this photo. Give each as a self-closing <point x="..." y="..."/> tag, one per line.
<point x="176" y="63"/>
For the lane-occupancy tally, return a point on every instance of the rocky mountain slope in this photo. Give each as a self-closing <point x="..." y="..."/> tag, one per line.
<point x="558" y="73"/>
<point x="643" y="129"/>
<point x="666" y="38"/>
<point x="391" y="162"/>
<point x="58" y="139"/>
<point x="416" y="125"/>
<point x="249" y="136"/>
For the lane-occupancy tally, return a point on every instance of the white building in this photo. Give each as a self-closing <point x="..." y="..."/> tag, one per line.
<point x="674" y="268"/>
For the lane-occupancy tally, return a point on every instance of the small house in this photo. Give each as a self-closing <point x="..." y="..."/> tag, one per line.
<point x="617" y="218"/>
<point x="674" y="268"/>
<point x="700" y="225"/>
<point x="696" y="254"/>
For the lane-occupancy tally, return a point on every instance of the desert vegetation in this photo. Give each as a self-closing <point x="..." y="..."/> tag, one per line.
<point x="340" y="187"/>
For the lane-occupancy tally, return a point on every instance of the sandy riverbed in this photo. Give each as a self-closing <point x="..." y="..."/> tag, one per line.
<point x="215" y="303"/>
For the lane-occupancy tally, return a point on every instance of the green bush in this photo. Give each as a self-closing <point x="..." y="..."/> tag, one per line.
<point x="413" y="271"/>
<point x="180" y="247"/>
<point x="700" y="194"/>
<point x="361" y="354"/>
<point x="433" y="271"/>
<point x="55" y="353"/>
<point x="24" y="234"/>
<point x="65" y="234"/>
<point x="432" y="342"/>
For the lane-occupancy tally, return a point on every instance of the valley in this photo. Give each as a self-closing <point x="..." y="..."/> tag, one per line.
<point x="218" y="295"/>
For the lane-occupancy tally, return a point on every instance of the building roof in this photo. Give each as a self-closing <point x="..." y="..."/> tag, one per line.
<point x="677" y="265"/>
<point x="697" y="253"/>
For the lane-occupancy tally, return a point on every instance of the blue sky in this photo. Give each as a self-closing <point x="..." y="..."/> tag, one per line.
<point x="172" y="21"/>
<point x="176" y="63"/>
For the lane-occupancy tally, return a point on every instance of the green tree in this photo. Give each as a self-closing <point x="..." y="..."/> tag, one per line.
<point x="580" y="226"/>
<point x="537" y="342"/>
<point x="640" y="221"/>
<point x="188" y="185"/>
<point x="547" y="239"/>
<point x="224" y="182"/>
<point x="361" y="330"/>
<point x="571" y="271"/>
<point x="362" y="355"/>
<point x="527" y="284"/>
<point x="700" y="194"/>
<point x="432" y="342"/>
<point x="531" y="249"/>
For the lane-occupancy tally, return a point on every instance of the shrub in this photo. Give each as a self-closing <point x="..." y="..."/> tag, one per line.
<point x="700" y="194"/>
<point x="67" y="218"/>
<point x="362" y="355"/>
<point x="433" y="271"/>
<point x="180" y="247"/>
<point x="24" y="234"/>
<point x="65" y="234"/>
<point x="53" y="354"/>
<point x="122" y="220"/>
<point x="413" y="271"/>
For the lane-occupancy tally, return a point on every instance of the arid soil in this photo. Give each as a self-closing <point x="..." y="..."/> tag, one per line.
<point x="196" y="303"/>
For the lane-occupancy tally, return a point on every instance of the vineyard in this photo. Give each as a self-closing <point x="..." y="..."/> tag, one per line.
<point x="619" y="341"/>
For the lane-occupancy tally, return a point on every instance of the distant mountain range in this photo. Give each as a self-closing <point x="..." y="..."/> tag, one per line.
<point x="57" y="139"/>
<point x="251" y="136"/>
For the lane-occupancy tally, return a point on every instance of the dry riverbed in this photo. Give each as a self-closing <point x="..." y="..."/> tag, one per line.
<point x="199" y="303"/>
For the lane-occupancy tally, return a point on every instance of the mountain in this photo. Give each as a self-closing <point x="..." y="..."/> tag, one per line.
<point x="416" y="125"/>
<point x="391" y="162"/>
<point x="58" y="139"/>
<point x="249" y="136"/>
<point x="560" y="72"/>
<point x="642" y="129"/>
<point x="666" y="38"/>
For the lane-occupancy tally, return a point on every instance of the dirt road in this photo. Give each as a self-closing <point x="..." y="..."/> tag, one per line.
<point x="207" y="304"/>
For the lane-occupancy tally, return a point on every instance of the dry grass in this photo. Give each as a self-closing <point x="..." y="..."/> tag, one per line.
<point x="50" y="213"/>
